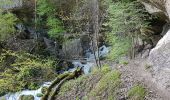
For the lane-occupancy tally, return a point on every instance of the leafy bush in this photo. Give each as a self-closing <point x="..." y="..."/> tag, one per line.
<point x="21" y="70"/>
<point x="7" y="22"/>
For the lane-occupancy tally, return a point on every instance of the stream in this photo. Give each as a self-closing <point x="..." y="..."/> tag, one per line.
<point x="103" y="51"/>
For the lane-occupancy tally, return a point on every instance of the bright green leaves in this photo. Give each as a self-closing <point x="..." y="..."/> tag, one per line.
<point x="47" y="9"/>
<point x="55" y="27"/>
<point x="7" y="22"/>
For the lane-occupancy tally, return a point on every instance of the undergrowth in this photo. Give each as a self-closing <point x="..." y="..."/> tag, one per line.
<point x="20" y="70"/>
<point x="92" y="86"/>
<point x="137" y="92"/>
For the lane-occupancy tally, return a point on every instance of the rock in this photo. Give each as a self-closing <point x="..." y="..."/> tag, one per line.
<point x="160" y="60"/>
<point x="26" y="97"/>
<point x="72" y="49"/>
<point x="39" y="95"/>
<point x="166" y="27"/>
<point x="145" y="54"/>
<point x="16" y="4"/>
<point x="43" y="90"/>
<point x="158" y="7"/>
<point x="17" y="44"/>
<point x="3" y="98"/>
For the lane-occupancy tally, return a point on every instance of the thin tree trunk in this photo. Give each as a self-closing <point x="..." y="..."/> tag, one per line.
<point x="95" y="20"/>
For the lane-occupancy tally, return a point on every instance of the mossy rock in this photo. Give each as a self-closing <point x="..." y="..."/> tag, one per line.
<point x="26" y="97"/>
<point x="44" y="90"/>
<point x="3" y="98"/>
<point x="39" y="95"/>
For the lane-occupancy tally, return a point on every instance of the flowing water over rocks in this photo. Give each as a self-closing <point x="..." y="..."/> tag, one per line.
<point x="90" y="62"/>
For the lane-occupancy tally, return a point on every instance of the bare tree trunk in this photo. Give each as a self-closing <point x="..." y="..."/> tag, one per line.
<point x="95" y="21"/>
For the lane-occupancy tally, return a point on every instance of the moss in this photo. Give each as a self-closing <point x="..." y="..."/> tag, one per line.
<point x="70" y="84"/>
<point x="44" y="90"/>
<point x="39" y="95"/>
<point x="107" y="84"/>
<point x="26" y="97"/>
<point x="138" y="92"/>
<point x="124" y="62"/>
<point x="105" y="69"/>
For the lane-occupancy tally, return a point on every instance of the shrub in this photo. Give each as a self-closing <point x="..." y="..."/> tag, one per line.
<point x="22" y="70"/>
<point x="7" y="22"/>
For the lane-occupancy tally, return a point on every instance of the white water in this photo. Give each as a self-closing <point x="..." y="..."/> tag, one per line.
<point x="103" y="51"/>
<point x="34" y="93"/>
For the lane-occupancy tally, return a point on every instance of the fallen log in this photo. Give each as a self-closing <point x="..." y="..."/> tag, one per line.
<point x="58" y="82"/>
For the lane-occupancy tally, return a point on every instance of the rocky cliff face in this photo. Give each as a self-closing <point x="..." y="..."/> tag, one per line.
<point x="160" y="55"/>
<point x="159" y="7"/>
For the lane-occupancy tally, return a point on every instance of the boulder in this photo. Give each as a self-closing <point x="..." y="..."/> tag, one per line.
<point x="159" y="57"/>
<point x="26" y="97"/>
<point x="158" y="7"/>
<point x="160" y="60"/>
<point x="72" y="49"/>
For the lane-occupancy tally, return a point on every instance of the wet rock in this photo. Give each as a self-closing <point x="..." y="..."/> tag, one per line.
<point x="26" y="97"/>
<point x="39" y="95"/>
<point x="3" y="98"/>
<point x="72" y="49"/>
<point x="44" y="90"/>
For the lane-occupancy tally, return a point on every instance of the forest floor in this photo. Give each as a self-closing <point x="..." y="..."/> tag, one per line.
<point x="138" y="72"/>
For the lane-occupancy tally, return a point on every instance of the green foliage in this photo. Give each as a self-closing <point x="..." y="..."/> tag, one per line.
<point x="47" y="12"/>
<point x="45" y="7"/>
<point x="107" y="84"/>
<point x="137" y="93"/>
<point x="26" y="97"/>
<point x="22" y="70"/>
<point x="55" y="27"/>
<point x="7" y="22"/>
<point x="125" y="18"/>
